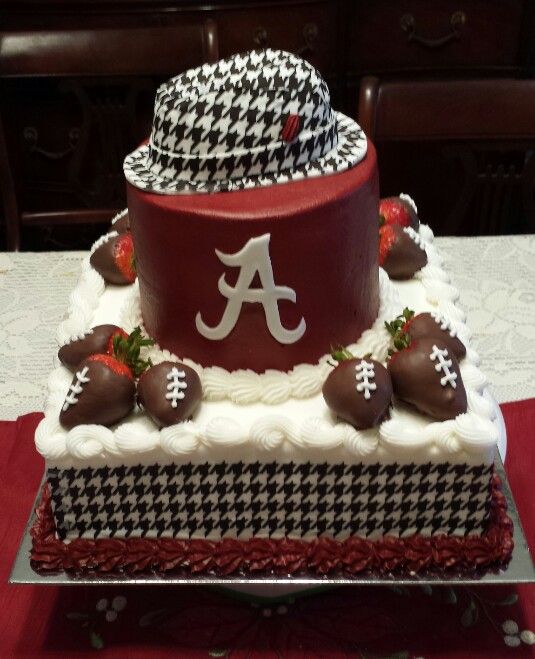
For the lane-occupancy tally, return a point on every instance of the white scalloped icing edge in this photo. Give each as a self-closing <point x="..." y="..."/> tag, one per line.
<point x="405" y="433"/>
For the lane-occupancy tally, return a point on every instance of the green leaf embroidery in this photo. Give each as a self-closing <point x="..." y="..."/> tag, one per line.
<point x="153" y="618"/>
<point x="97" y="642"/>
<point x="450" y="596"/>
<point x="507" y="601"/>
<point x="400" y="590"/>
<point x="75" y="615"/>
<point x="470" y="615"/>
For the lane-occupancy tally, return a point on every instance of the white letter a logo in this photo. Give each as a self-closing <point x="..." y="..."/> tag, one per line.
<point x="252" y="258"/>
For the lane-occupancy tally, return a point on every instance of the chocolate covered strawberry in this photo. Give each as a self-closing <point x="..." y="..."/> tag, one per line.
<point x="401" y="251"/>
<point x="103" y="388"/>
<point x="169" y="393"/>
<point x="398" y="210"/>
<point x="435" y="325"/>
<point x="121" y="222"/>
<point x="408" y="327"/>
<point x="114" y="259"/>
<point x="98" y="339"/>
<point x="426" y="375"/>
<point x="358" y="391"/>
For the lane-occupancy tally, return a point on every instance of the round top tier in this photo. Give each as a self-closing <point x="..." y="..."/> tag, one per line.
<point x="265" y="278"/>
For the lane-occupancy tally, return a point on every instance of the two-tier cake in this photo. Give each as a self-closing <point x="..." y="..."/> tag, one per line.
<point x="242" y="387"/>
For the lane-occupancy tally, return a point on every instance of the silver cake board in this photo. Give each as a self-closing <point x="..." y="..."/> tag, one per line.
<point x="519" y="570"/>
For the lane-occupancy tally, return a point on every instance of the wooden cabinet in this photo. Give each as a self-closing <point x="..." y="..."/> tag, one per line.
<point x="418" y="35"/>
<point x="77" y="79"/>
<point x="307" y="28"/>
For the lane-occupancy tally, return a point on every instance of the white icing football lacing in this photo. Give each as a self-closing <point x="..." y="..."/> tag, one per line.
<point x="409" y="200"/>
<point x="444" y="323"/>
<point x="76" y="388"/>
<point x="364" y="373"/>
<point x="79" y="336"/>
<point x="102" y="240"/>
<point x="444" y="366"/>
<point x="415" y="236"/>
<point x="118" y="216"/>
<point x="175" y="386"/>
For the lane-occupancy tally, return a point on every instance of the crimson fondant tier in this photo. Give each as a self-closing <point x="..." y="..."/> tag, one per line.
<point x="261" y="279"/>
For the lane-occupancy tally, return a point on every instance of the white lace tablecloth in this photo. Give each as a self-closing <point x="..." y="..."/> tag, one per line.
<point x="496" y="277"/>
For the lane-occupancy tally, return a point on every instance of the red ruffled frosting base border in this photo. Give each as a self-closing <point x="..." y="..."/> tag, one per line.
<point x="286" y="556"/>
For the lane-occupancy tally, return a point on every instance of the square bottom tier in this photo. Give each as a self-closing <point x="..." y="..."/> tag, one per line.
<point x="324" y="555"/>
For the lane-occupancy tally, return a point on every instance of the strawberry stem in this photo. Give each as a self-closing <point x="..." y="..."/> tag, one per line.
<point x="396" y="329"/>
<point x="127" y="350"/>
<point x="340" y="354"/>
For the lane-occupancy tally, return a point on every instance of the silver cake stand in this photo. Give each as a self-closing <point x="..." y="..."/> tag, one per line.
<point x="269" y="587"/>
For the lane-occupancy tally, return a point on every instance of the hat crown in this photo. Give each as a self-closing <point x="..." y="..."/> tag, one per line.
<point x="239" y="104"/>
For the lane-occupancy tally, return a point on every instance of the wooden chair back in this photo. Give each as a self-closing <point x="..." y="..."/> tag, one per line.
<point x="483" y="128"/>
<point x="86" y="67"/>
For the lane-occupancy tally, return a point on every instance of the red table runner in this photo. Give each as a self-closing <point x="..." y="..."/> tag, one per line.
<point x="198" y="622"/>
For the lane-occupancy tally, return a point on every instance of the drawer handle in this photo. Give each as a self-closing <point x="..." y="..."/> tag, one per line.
<point x="408" y="25"/>
<point x="31" y="137"/>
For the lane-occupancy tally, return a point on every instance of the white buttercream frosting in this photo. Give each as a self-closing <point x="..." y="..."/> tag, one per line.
<point x="83" y="302"/>
<point x="280" y="415"/>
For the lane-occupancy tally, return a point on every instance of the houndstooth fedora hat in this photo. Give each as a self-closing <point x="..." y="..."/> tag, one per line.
<point x="251" y="120"/>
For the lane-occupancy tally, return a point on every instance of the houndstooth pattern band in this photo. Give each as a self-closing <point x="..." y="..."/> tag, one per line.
<point x="270" y="500"/>
<point x="219" y="127"/>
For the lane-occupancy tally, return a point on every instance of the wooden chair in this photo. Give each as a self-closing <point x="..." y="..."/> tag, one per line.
<point x="484" y="129"/>
<point x="81" y="62"/>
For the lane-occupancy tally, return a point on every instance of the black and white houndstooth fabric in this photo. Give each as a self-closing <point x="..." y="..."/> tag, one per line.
<point x="242" y="500"/>
<point x="222" y="127"/>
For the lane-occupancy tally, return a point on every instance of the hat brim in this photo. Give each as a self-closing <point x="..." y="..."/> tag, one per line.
<point x="349" y="151"/>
